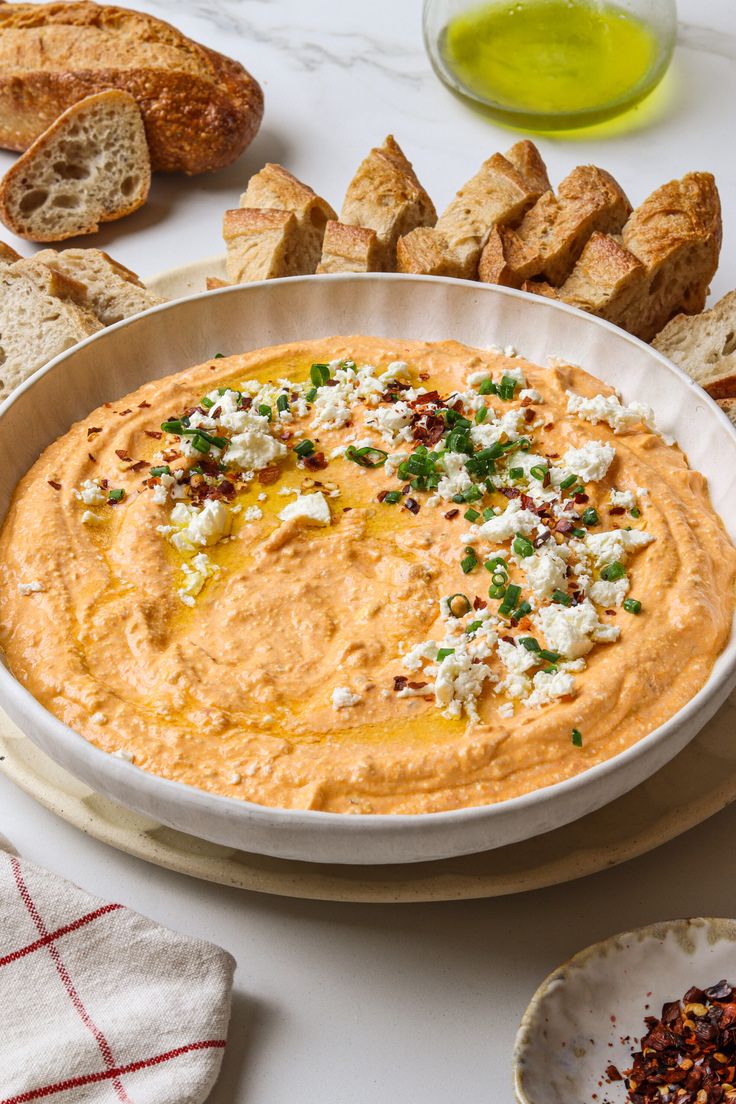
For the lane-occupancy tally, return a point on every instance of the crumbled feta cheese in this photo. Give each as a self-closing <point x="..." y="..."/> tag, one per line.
<point x="253" y="446"/>
<point x="545" y="571"/>
<point x="90" y="518"/>
<point x="91" y="493"/>
<point x="627" y="499"/>
<point x="123" y="753"/>
<point x="342" y="698"/>
<point x="515" y="685"/>
<point x="196" y="573"/>
<point x="590" y="462"/>
<point x="609" y="594"/>
<point x="199" y="526"/>
<point x="456" y="478"/>
<point x="531" y="393"/>
<point x="506" y="710"/>
<point x="392" y="422"/>
<point x="253" y="513"/>
<point x="547" y="687"/>
<point x="31" y="588"/>
<point x="513" y="520"/>
<point x="571" y="630"/>
<point x="476" y="378"/>
<point x="413" y="658"/>
<point x="609" y="409"/>
<point x="515" y="657"/>
<point x="311" y="509"/>
<point x="614" y="545"/>
<point x="458" y="683"/>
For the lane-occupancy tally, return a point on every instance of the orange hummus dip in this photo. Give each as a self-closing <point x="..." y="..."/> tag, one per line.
<point x="365" y="576"/>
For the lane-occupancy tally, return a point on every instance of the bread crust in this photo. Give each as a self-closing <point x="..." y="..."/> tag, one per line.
<point x="200" y="108"/>
<point x="350" y="249"/>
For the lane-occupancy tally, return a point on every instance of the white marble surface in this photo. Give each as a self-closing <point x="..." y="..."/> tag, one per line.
<point x="376" y="1005"/>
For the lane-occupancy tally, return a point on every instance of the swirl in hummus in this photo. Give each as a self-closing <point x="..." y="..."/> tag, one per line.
<point x="364" y="575"/>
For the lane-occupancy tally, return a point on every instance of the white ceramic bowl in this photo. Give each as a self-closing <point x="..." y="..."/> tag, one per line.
<point x="574" y="1025"/>
<point x="188" y="331"/>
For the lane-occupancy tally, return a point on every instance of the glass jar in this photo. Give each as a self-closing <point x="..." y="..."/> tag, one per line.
<point x="551" y="64"/>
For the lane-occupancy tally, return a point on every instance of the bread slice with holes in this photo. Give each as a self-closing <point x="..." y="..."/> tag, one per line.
<point x="705" y="346"/>
<point x="110" y="290"/>
<point x="262" y="244"/>
<point x="91" y="166"/>
<point x="350" y="249"/>
<point x="385" y="196"/>
<point x="274" y="188"/>
<point x="39" y="319"/>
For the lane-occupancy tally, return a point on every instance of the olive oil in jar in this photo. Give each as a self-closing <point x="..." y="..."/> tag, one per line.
<point x="551" y="63"/>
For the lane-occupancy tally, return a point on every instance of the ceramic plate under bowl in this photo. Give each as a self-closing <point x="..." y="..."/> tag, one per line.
<point x="233" y="320"/>
<point x="573" y="1029"/>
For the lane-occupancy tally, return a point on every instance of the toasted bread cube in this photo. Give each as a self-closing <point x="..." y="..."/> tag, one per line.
<point x="350" y="249"/>
<point x="273" y="188"/>
<point x="427" y="252"/>
<point x="557" y="227"/>
<point x="385" y="195"/>
<point x="528" y="162"/>
<point x="705" y="346"/>
<point x="261" y="244"/>
<point x="506" y="259"/>
<point x="606" y="279"/>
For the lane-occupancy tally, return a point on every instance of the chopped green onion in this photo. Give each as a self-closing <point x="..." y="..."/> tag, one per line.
<point x="164" y="469"/>
<point x="551" y="670"/>
<point x="496" y="563"/>
<point x="200" y="443"/>
<point x="488" y="513"/>
<point x="568" y="482"/>
<point x="562" y="598"/>
<point x="218" y="356"/>
<point x="469" y="561"/>
<point x="473" y="626"/>
<point x="282" y="403"/>
<point x="481" y="415"/>
<point x="522" y="610"/>
<point x="577" y="738"/>
<point x="496" y="591"/>
<point x="265" y="411"/>
<point x="471" y="514"/>
<point x="311" y="395"/>
<point x="488" y="387"/>
<point x="507" y="387"/>
<point x="472" y="494"/>
<point x="590" y="516"/>
<point x="523" y="444"/>
<point x="550" y="657"/>
<point x="579" y="533"/>
<point x="540" y="472"/>
<point x="499" y="578"/>
<point x="516" y="473"/>
<point x="367" y="456"/>
<point x="632" y="605"/>
<point x="458" y="605"/>
<point x="511" y="597"/>
<point x="116" y="495"/>
<point x="319" y="374"/>
<point x="522" y="547"/>
<point x="175" y="425"/>
<point x="304" y="448"/>
<point x="443" y="653"/>
<point x="529" y="643"/>
<point x="613" y="571"/>
<point x="392" y="497"/>
<point x="207" y="402"/>
<point x="636" y="512"/>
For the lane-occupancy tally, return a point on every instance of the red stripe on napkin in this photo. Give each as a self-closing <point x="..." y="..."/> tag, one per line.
<point x="54" y="935"/>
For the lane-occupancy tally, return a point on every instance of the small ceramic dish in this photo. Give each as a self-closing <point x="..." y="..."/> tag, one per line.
<point x="589" y="1013"/>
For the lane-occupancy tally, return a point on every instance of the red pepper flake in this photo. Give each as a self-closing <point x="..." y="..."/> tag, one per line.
<point x="424" y="376"/>
<point x="539" y="541"/>
<point x="417" y="685"/>
<point x="381" y="496"/>
<point x="269" y="475"/>
<point x="315" y="462"/>
<point x="123" y="455"/>
<point x="529" y="414"/>
<point x="451" y="514"/>
<point x="138" y="466"/>
<point x="92" y="430"/>
<point x="122" y="413"/>
<point x="688" y="1055"/>
<point x="580" y="498"/>
<point x="616" y="510"/>
<point x="479" y="603"/>
<point x="54" y="484"/>
<point x="412" y="506"/>
<point x="613" y="1074"/>
<point x="400" y="682"/>
<point x="564" y="526"/>
<point x="155" y="433"/>
<point x="92" y="458"/>
<point x="144" y="406"/>
<point x="427" y="399"/>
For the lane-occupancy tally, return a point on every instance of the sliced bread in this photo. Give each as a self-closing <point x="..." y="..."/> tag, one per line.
<point x="35" y="323"/>
<point x="8" y="254"/>
<point x="262" y="244"/>
<point x="705" y="346"/>
<point x="606" y="280"/>
<point x="350" y="249"/>
<point x="728" y="406"/>
<point x="111" y="291"/>
<point x="91" y="166"/>
<point x="273" y="188"/>
<point x="385" y="196"/>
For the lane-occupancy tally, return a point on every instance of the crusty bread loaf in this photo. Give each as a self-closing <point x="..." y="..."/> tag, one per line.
<point x="558" y="226"/>
<point x="8" y="254"/>
<point x="110" y="290"/>
<point x="350" y="249"/>
<point x="507" y="260"/>
<point x="606" y="280"/>
<point x="273" y="188"/>
<point x="90" y="166"/>
<point x="527" y="160"/>
<point x="200" y="109"/>
<point x="35" y="323"/>
<point x="385" y="196"/>
<point x="261" y="244"/>
<point x="728" y="406"/>
<point x="705" y="346"/>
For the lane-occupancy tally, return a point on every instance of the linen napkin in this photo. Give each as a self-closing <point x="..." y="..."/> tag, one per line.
<point x="99" y="1005"/>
